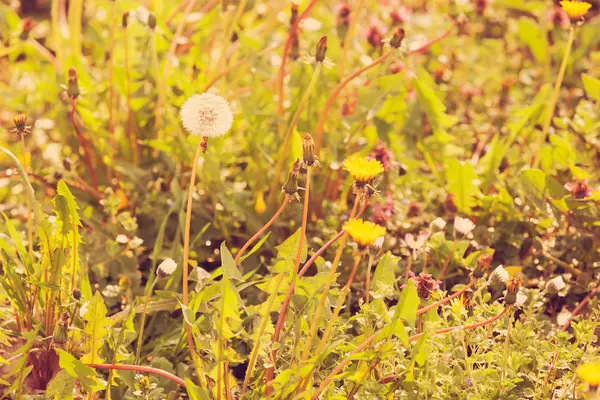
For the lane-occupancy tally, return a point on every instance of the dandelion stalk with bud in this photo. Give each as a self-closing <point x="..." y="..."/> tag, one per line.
<point x="164" y="269"/>
<point x="210" y="116"/>
<point x="283" y="153"/>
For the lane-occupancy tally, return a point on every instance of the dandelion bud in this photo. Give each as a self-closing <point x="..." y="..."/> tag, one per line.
<point x="500" y="275"/>
<point x="60" y="334"/>
<point x="513" y="284"/>
<point x="290" y="187"/>
<point x="27" y="27"/>
<point x="152" y="20"/>
<point x="125" y="19"/>
<point x="166" y="268"/>
<point x="20" y="122"/>
<point x="309" y="157"/>
<point x="73" y="87"/>
<point x="483" y="265"/>
<point x="510" y="298"/>
<point x="398" y="37"/>
<point x="555" y="285"/>
<point x="76" y="294"/>
<point x="294" y="15"/>
<point x="321" y="49"/>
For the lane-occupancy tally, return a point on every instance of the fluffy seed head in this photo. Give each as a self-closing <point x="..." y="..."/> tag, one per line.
<point x="206" y="114"/>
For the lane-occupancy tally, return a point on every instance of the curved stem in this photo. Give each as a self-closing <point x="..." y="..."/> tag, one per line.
<point x="260" y="231"/>
<point x="314" y="326"/>
<point x="286" y="52"/>
<point x="138" y="350"/>
<point x="334" y="94"/>
<point x="186" y="245"/>
<point x="438" y="303"/>
<point x="550" y="108"/>
<point x="338" y="306"/>
<point x="286" y="302"/>
<point x="283" y="153"/>
<point x="141" y="368"/>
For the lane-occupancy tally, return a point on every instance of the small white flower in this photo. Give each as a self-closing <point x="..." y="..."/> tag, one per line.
<point x="499" y="275"/>
<point x="555" y="285"/>
<point x="166" y="268"/>
<point x="437" y="224"/>
<point x="84" y="309"/>
<point x="416" y="244"/>
<point x="122" y="239"/>
<point x="206" y="114"/>
<point x="463" y="225"/>
<point x="375" y="248"/>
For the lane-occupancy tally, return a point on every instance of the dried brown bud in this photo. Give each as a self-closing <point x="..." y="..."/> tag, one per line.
<point x="152" y="20"/>
<point x="20" y="122"/>
<point x="294" y="15"/>
<point x="295" y="51"/>
<point x="73" y="87"/>
<point x="125" y="19"/>
<point x="483" y="265"/>
<point x="290" y="187"/>
<point x="309" y="158"/>
<point x="76" y="294"/>
<point x="321" y="49"/>
<point x="398" y="37"/>
<point x="27" y="27"/>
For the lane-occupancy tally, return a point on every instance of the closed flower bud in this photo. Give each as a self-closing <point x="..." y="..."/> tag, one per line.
<point x="73" y="88"/>
<point x="483" y="265"/>
<point x="290" y="187"/>
<point x="398" y="37"/>
<point x="294" y="14"/>
<point x="60" y="334"/>
<point x="76" y="294"/>
<point x="125" y="19"/>
<point x="511" y="298"/>
<point x="295" y="51"/>
<point x="309" y="157"/>
<point x="152" y="20"/>
<point x="27" y="27"/>
<point x="321" y="49"/>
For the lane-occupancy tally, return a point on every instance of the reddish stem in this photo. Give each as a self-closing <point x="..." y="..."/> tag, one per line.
<point x="83" y="143"/>
<point x="444" y="300"/>
<point x="286" y="51"/>
<point x="260" y="231"/>
<point x="286" y="301"/>
<point x="141" y="368"/>
<point x="341" y="85"/>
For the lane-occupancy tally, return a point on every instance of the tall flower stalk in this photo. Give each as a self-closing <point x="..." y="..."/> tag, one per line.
<point x="283" y="153"/>
<point x="205" y="115"/>
<point x="165" y="269"/>
<point x="576" y="10"/>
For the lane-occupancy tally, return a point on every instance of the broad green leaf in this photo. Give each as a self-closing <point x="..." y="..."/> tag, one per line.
<point x="433" y="107"/>
<point x="96" y="327"/>
<point x="289" y="247"/>
<point x="196" y="392"/>
<point x="61" y="387"/>
<point x="535" y="37"/>
<point x="592" y="87"/>
<point x="408" y="303"/>
<point x="86" y="375"/>
<point x="461" y="177"/>
<point x="230" y="270"/>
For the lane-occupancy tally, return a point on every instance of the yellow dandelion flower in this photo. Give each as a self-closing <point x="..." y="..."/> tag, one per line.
<point x="362" y="169"/>
<point x="364" y="233"/>
<point x="575" y="9"/>
<point x="590" y="373"/>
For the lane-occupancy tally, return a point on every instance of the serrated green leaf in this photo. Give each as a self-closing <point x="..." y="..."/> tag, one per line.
<point x="461" y="177"/>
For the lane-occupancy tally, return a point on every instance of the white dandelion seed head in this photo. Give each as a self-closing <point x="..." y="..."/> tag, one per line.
<point x="167" y="267"/>
<point x="207" y="114"/>
<point x="463" y="225"/>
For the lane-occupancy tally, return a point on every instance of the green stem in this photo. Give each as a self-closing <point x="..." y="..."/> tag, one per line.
<point x="554" y="98"/>
<point x="138" y="349"/>
<point x="283" y="153"/>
